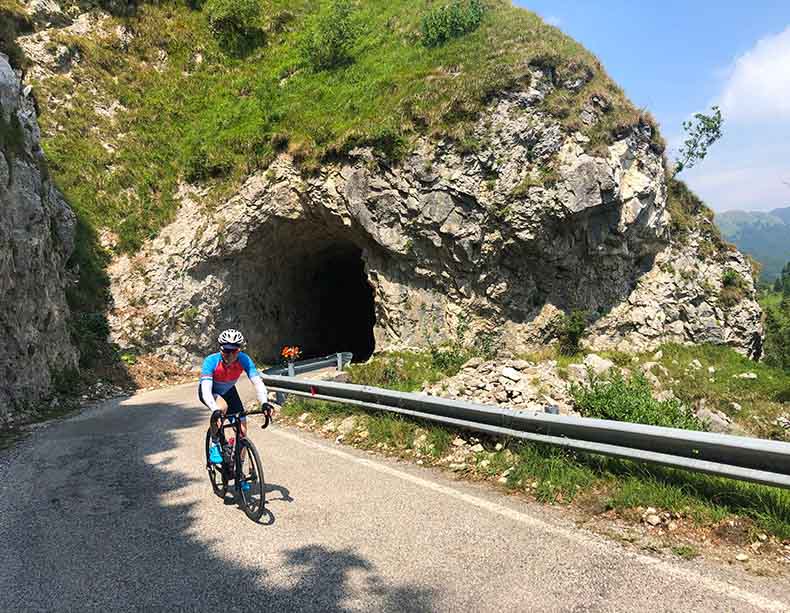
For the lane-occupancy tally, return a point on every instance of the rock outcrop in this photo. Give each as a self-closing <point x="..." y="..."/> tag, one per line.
<point x="488" y="243"/>
<point x="682" y="299"/>
<point x="36" y="240"/>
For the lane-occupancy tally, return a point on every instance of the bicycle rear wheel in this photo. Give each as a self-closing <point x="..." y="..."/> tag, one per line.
<point x="252" y="498"/>
<point x="216" y="474"/>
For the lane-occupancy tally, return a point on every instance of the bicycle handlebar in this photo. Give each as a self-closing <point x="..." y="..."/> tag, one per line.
<point x="241" y="414"/>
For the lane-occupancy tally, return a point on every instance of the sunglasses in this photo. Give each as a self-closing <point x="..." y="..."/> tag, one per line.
<point x="229" y="349"/>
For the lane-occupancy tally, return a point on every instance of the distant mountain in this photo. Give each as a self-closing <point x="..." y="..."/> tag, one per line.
<point x="783" y="214"/>
<point x="764" y="236"/>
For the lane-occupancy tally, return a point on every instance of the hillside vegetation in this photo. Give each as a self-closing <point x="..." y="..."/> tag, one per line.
<point x="776" y="305"/>
<point x="13" y="21"/>
<point x="182" y="92"/>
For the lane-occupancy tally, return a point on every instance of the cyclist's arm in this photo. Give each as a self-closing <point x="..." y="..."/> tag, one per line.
<point x="207" y="382"/>
<point x="208" y="395"/>
<point x="255" y="378"/>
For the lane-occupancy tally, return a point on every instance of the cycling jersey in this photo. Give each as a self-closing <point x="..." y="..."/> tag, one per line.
<point x="218" y="378"/>
<point x="224" y="376"/>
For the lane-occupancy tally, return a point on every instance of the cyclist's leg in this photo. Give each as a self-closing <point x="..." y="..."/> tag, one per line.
<point x="235" y="406"/>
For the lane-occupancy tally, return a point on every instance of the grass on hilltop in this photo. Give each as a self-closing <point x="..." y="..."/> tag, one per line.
<point x="193" y="109"/>
<point x="13" y="21"/>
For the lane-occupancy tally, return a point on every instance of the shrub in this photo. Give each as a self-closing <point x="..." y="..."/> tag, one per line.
<point x="329" y="37"/>
<point x="448" y="359"/>
<point x="733" y="288"/>
<point x="232" y="20"/>
<point x="89" y="331"/>
<point x="630" y="400"/>
<point x="570" y="329"/>
<point x="730" y="278"/>
<point x="450" y="21"/>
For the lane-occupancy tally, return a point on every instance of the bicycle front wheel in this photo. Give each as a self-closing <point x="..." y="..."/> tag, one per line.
<point x="251" y="485"/>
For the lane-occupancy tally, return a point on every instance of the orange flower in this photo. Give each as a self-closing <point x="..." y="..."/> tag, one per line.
<point x="290" y="353"/>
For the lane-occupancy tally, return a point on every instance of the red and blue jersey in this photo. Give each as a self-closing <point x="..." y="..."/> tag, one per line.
<point x="224" y="376"/>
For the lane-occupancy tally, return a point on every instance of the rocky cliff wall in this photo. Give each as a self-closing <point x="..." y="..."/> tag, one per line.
<point x="489" y="243"/>
<point x="36" y="239"/>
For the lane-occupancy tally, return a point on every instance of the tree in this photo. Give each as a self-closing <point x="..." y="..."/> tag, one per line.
<point x="702" y="132"/>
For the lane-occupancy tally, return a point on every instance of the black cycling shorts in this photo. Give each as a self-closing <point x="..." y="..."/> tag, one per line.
<point x="231" y="397"/>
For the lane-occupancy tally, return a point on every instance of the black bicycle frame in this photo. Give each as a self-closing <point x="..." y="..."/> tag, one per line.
<point x="235" y="425"/>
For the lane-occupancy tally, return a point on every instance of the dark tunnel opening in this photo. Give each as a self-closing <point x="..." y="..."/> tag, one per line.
<point x="306" y="286"/>
<point x="342" y="303"/>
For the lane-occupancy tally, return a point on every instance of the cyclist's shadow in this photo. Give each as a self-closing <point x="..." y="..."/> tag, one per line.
<point x="268" y="518"/>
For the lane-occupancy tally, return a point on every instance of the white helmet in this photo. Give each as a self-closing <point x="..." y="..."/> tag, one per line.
<point x="231" y="337"/>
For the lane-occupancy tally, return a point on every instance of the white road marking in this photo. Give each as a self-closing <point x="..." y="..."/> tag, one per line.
<point x="576" y="536"/>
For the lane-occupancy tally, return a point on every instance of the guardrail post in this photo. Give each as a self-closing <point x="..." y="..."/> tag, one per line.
<point x="339" y="361"/>
<point x="281" y="396"/>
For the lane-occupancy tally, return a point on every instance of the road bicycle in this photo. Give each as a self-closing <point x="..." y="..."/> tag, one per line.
<point x="240" y="464"/>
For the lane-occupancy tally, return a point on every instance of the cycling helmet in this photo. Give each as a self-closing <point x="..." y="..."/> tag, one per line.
<point x="231" y="337"/>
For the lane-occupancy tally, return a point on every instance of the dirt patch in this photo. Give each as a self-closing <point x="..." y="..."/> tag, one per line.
<point x="150" y="372"/>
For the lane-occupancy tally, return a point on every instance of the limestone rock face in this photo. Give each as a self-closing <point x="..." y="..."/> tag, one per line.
<point x="490" y="243"/>
<point x="36" y="239"/>
<point x="680" y="300"/>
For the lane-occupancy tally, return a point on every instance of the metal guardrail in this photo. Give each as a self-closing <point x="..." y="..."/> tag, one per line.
<point x="339" y="360"/>
<point x="747" y="459"/>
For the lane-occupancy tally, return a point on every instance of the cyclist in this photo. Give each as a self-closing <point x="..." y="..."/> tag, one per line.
<point x="218" y="378"/>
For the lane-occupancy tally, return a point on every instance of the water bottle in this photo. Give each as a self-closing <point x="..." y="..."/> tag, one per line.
<point x="227" y="453"/>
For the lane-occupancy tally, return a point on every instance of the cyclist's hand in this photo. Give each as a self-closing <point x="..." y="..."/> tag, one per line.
<point x="268" y="411"/>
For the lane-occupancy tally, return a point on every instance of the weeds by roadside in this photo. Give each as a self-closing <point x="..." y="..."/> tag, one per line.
<point x="554" y="475"/>
<point x="408" y="370"/>
<point x="630" y="399"/>
<point x="551" y="474"/>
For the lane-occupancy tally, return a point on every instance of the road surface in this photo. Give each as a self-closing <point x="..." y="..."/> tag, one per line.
<point x="112" y="510"/>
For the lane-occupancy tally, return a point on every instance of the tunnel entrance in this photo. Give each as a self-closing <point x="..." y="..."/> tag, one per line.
<point x="342" y="303"/>
<point x="302" y="284"/>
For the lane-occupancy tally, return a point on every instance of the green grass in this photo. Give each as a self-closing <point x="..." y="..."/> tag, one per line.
<point x="218" y="119"/>
<point x="320" y="410"/>
<point x="687" y="552"/>
<point x="392" y="430"/>
<point x="689" y="214"/>
<point x="406" y="371"/>
<point x="762" y="399"/>
<point x="13" y="21"/>
<point x="630" y="399"/>
<point x="556" y="475"/>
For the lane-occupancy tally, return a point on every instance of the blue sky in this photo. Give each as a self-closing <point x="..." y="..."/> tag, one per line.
<point x="676" y="58"/>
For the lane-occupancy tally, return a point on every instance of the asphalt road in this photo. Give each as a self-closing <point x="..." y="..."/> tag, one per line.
<point x="112" y="510"/>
